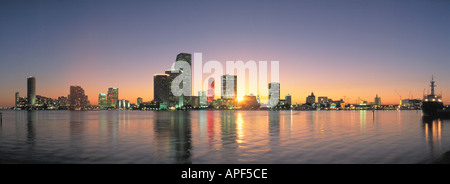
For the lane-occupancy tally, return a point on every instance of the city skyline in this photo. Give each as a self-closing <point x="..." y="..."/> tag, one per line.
<point x="340" y="49"/>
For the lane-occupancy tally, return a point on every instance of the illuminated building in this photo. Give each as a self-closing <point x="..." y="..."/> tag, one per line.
<point x="288" y="99"/>
<point x="229" y="91"/>
<point x="377" y="101"/>
<point x="311" y="99"/>
<point x="31" y="91"/>
<point x="161" y="88"/>
<point x="274" y="93"/>
<point x="139" y="101"/>
<point x="113" y="98"/>
<point x="124" y="104"/>
<point x="172" y="75"/>
<point x="323" y="100"/>
<point x="188" y="58"/>
<point x="102" y="102"/>
<point x="210" y="95"/>
<point x="202" y="98"/>
<point x="185" y="57"/>
<point x="16" y="100"/>
<point x="77" y="98"/>
<point x="63" y="103"/>
<point x="229" y="86"/>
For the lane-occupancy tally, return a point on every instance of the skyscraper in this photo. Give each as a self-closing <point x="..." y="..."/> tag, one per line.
<point x="185" y="57"/>
<point x="188" y="58"/>
<point x="113" y="98"/>
<point x="288" y="99"/>
<point x="102" y="102"/>
<point x="139" y="101"/>
<point x="229" y="86"/>
<point x="161" y="88"/>
<point x="31" y="91"/>
<point x="172" y="75"/>
<point x="377" y="100"/>
<point x="210" y="92"/>
<point x="274" y="93"/>
<point x="77" y="98"/>
<point x="311" y="99"/>
<point x="202" y="98"/>
<point x="16" y="100"/>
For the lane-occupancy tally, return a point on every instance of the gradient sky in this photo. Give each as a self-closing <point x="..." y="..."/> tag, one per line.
<point x="332" y="48"/>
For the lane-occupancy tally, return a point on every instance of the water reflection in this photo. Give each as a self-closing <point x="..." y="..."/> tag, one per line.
<point x="173" y="135"/>
<point x="362" y="120"/>
<point x="432" y="128"/>
<point x="76" y="125"/>
<point x="210" y="121"/>
<point x="31" y="127"/>
<point x="274" y="126"/>
<point x="222" y="137"/>
<point x="228" y="127"/>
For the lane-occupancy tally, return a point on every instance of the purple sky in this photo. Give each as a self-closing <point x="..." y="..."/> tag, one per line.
<point x="334" y="48"/>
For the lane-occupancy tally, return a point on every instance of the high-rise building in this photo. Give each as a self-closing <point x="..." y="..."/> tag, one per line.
<point x="77" y="98"/>
<point x="113" y="98"/>
<point x="124" y="104"/>
<point x="311" y="99"/>
<point x="16" y="100"/>
<point x="161" y="88"/>
<point x="31" y="91"/>
<point x="210" y="92"/>
<point x="377" y="100"/>
<point x="172" y="75"/>
<point x="63" y="102"/>
<point x="202" y="98"/>
<point x="274" y="93"/>
<point x="288" y="99"/>
<point x="229" y="86"/>
<point x="102" y="102"/>
<point x="185" y="57"/>
<point x="139" y="101"/>
<point x="188" y="58"/>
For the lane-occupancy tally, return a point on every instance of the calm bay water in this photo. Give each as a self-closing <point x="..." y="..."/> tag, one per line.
<point x="221" y="137"/>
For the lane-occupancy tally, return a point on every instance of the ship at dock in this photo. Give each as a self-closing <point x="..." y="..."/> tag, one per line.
<point x="432" y="105"/>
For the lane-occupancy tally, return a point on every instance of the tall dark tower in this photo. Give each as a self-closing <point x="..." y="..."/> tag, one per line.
<point x="188" y="58"/>
<point x="161" y="88"/>
<point x="31" y="91"/>
<point x="185" y="57"/>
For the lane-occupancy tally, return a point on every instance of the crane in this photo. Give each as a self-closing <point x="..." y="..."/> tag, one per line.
<point x="362" y="101"/>
<point x="400" y="96"/>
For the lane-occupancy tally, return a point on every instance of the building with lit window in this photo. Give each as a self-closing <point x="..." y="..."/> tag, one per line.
<point x="377" y="101"/>
<point x="229" y="86"/>
<point x="274" y="93"/>
<point x="161" y="88"/>
<point x="31" y="92"/>
<point x="113" y="98"/>
<point x="311" y="99"/>
<point x="210" y="92"/>
<point x="102" y="102"/>
<point x="288" y="99"/>
<point x="139" y="102"/>
<point x="78" y="99"/>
